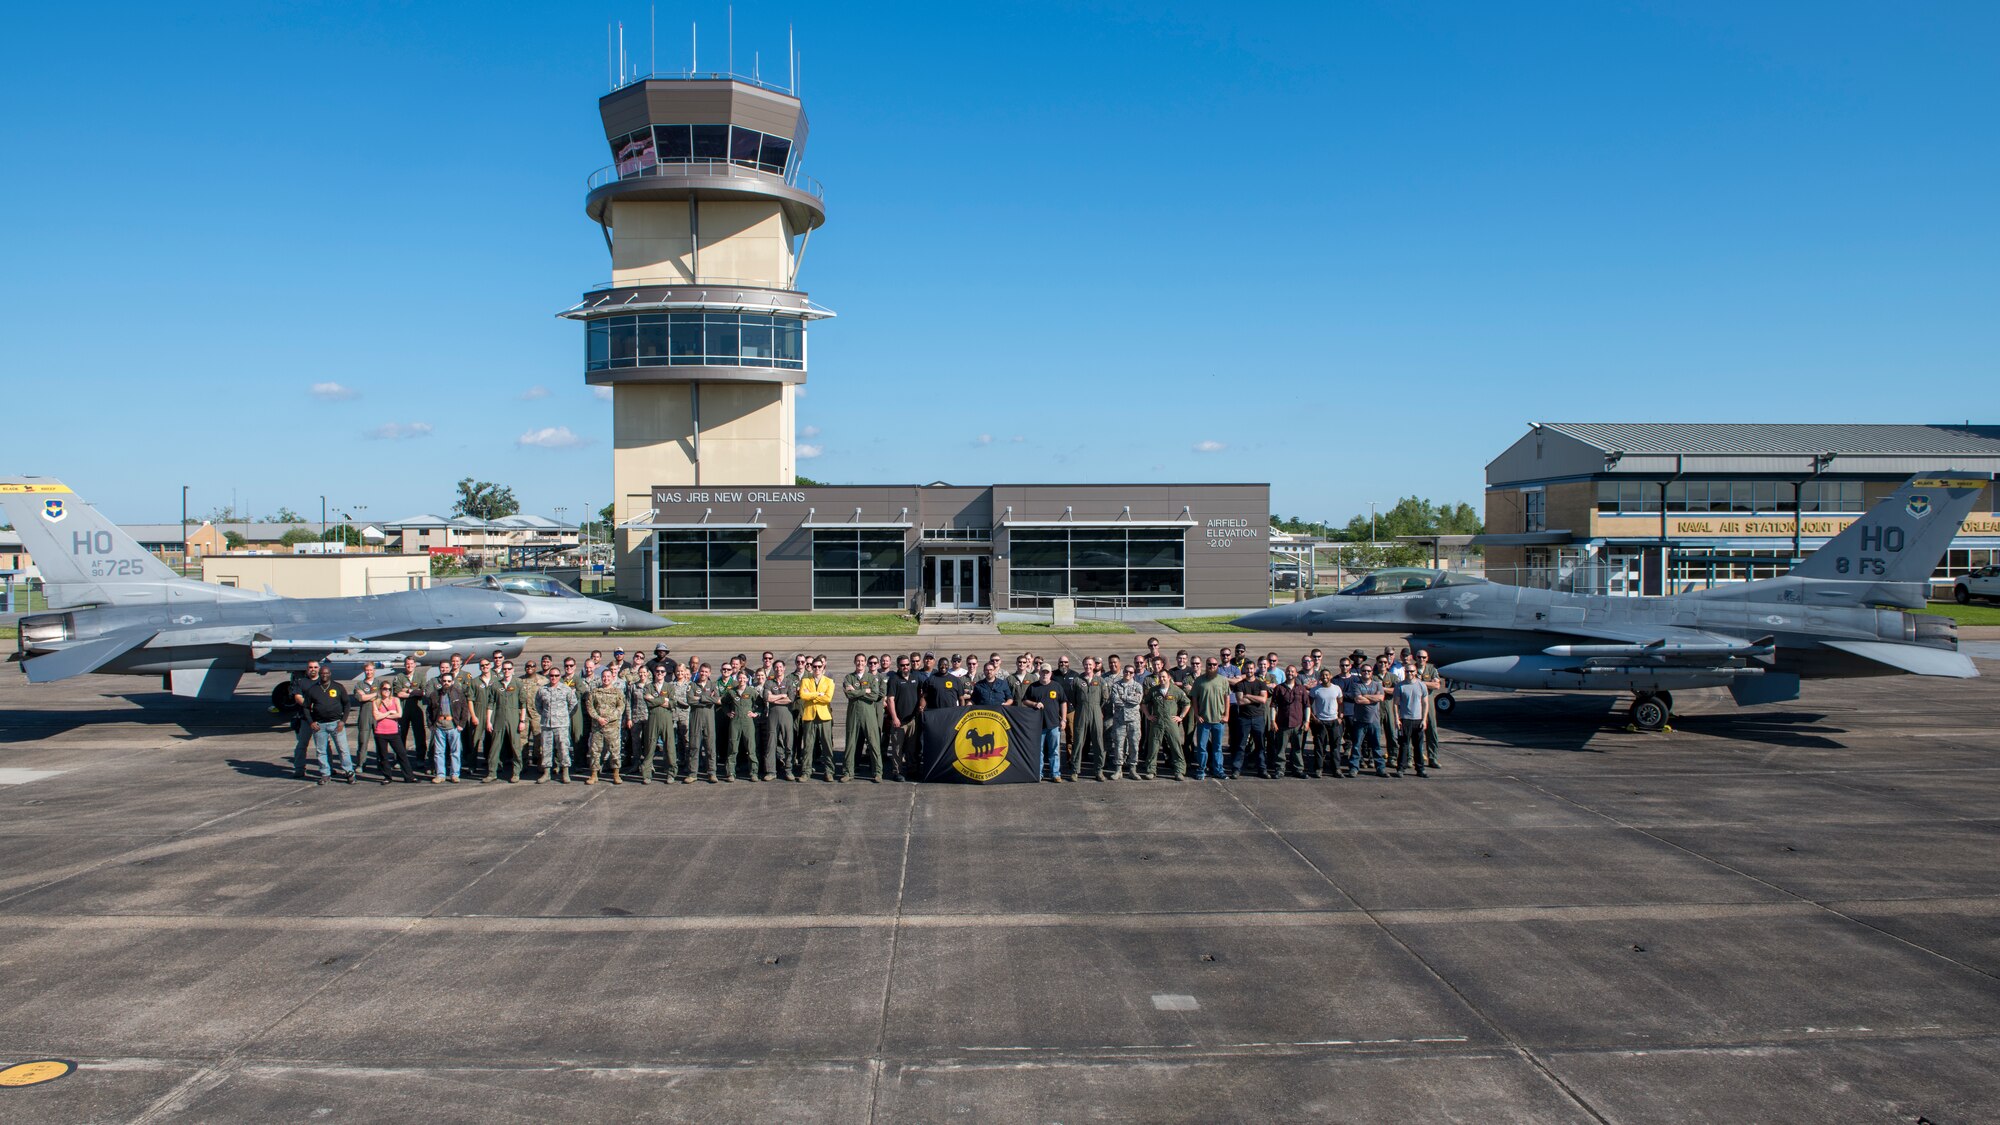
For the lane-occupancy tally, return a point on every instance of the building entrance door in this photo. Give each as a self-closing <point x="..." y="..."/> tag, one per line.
<point x="1621" y="576"/>
<point x="955" y="581"/>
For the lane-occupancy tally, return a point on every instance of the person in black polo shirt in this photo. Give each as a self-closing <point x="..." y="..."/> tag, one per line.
<point x="942" y="688"/>
<point x="325" y="703"/>
<point x="1048" y="697"/>
<point x="905" y="699"/>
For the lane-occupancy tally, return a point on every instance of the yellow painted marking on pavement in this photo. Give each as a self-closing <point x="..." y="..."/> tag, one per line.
<point x="35" y="1073"/>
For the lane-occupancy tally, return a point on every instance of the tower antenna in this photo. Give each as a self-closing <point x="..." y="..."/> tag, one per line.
<point x="694" y="48"/>
<point x="653" y="38"/>
<point x="791" y="62"/>
<point x="731" y="10"/>
<point x="621" y="52"/>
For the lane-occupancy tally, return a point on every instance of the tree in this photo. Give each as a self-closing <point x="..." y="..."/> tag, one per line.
<point x="227" y="513"/>
<point x="298" y="535"/>
<point x="804" y="481"/>
<point x="344" y="533"/>
<point x="234" y="540"/>
<point x="484" y="500"/>
<point x="444" y="566"/>
<point x="284" y="515"/>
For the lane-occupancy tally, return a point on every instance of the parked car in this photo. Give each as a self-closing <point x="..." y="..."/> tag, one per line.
<point x="1981" y="583"/>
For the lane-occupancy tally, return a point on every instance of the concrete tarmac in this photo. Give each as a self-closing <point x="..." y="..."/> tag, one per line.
<point x="1784" y="913"/>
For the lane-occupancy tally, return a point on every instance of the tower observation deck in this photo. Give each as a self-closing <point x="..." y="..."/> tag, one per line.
<point x="701" y="329"/>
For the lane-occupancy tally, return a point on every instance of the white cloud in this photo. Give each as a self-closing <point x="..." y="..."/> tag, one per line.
<point x="602" y="393"/>
<point x="554" y="437"/>
<point x="799" y="391"/>
<point x="534" y="392"/>
<point x="1017" y="439"/>
<point x="809" y="432"/>
<point x="1209" y="447"/>
<point x="808" y="452"/>
<point x="333" y="392"/>
<point x="983" y="439"/>
<point x="397" y="431"/>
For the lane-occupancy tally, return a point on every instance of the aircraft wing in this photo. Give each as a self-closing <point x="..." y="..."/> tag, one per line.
<point x="1918" y="659"/>
<point x="85" y="656"/>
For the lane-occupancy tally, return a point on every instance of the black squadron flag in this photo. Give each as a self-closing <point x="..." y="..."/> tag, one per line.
<point x="982" y="745"/>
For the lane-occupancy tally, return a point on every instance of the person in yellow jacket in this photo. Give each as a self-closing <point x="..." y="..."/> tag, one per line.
<point x="815" y="720"/>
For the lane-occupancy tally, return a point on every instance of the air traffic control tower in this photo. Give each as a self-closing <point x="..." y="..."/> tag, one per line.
<point x="701" y="331"/>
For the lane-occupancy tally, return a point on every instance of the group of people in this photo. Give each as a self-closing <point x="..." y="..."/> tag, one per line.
<point x="1148" y="717"/>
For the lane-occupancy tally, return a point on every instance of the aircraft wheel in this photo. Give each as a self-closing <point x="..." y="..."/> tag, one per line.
<point x="1650" y="712"/>
<point x="281" y="696"/>
<point x="1443" y="703"/>
<point x="1667" y="698"/>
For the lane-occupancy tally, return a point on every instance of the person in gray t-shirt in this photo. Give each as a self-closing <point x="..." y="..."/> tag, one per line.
<point x="1412" y="704"/>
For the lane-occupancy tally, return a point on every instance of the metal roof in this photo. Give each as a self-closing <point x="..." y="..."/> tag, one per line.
<point x="1800" y="439"/>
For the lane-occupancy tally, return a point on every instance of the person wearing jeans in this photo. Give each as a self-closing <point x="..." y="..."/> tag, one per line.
<point x="325" y="703"/>
<point x="1049" y="697"/>
<point x="1211" y="715"/>
<point x="450" y="712"/>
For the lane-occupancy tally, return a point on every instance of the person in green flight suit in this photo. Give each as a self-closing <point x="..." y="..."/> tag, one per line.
<point x="658" y="697"/>
<point x="1087" y="695"/>
<point x="680" y="695"/>
<point x="1169" y="704"/>
<point x="781" y="723"/>
<point x="507" y="704"/>
<point x="575" y="681"/>
<point x="702" y="702"/>
<point x="739" y="696"/>
<point x="862" y="688"/>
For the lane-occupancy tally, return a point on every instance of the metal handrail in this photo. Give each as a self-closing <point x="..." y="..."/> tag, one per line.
<point x="707" y="166"/>
<point x="707" y="76"/>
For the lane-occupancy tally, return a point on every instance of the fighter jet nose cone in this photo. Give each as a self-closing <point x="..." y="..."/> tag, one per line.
<point x="639" y="619"/>
<point x="1262" y="619"/>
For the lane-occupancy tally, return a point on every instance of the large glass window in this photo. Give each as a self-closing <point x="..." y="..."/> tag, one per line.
<point x="860" y="568"/>
<point x="1534" y="510"/>
<point x="1135" y="566"/>
<point x="696" y="339"/>
<point x="707" y="568"/>
<point x="640" y="153"/>
<point x="1745" y="497"/>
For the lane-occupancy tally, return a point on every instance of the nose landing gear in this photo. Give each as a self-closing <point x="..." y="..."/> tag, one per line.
<point x="1652" y="711"/>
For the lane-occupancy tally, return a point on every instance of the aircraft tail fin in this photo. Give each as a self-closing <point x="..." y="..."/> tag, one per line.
<point x="84" y="558"/>
<point x="1887" y="556"/>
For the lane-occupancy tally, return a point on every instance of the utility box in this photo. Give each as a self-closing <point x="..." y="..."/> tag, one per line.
<point x="1065" y="611"/>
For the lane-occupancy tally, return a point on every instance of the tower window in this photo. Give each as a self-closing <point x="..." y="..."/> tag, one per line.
<point x="695" y="339"/>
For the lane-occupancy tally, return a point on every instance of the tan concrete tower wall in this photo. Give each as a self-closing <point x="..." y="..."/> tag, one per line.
<point x="746" y="439"/>
<point x="746" y="241"/>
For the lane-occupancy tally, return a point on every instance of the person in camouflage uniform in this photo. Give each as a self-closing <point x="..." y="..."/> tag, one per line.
<point x="1127" y="697"/>
<point x="553" y="703"/>
<point x="605" y="707"/>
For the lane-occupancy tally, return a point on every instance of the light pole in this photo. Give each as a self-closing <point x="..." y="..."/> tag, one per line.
<point x="561" y="511"/>
<point x="1371" y="523"/>
<point x="351" y="520"/>
<point x="184" y="528"/>
<point x="322" y="523"/>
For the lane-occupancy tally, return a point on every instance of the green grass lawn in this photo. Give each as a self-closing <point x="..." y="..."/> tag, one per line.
<point x="1043" y="629"/>
<point x="1977" y="614"/>
<point x="784" y="625"/>
<point x="1202" y="625"/>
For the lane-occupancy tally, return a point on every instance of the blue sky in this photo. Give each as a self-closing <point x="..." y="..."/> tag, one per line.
<point x="1349" y="248"/>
